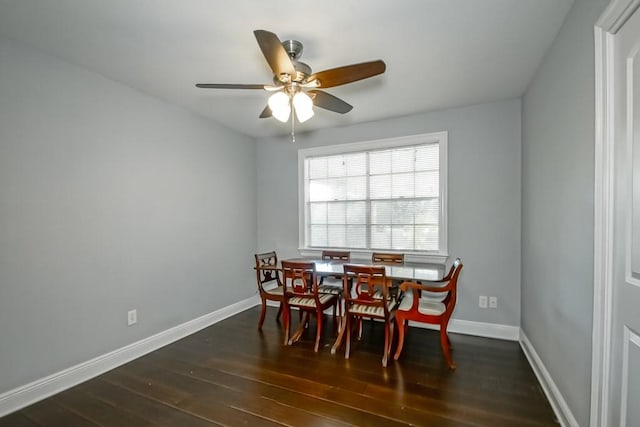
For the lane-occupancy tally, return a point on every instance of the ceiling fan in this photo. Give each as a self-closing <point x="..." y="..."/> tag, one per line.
<point x="295" y="85"/>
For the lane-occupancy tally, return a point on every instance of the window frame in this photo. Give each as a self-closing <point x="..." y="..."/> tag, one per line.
<point x="441" y="138"/>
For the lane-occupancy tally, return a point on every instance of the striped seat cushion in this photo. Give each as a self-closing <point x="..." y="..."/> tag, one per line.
<point x="330" y="289"/>
<point x="309" y="301"/>
<point x="370" y="310"/>
<point x="391" y="293"/>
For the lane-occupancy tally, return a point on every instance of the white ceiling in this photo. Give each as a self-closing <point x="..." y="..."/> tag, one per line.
<point x="439" y="53"/>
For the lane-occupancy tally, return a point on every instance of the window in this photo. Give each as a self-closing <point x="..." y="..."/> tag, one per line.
<point x="375" y="195"/>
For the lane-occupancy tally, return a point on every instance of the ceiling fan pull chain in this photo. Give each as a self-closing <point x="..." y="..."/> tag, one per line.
<point x="293" y="129"/>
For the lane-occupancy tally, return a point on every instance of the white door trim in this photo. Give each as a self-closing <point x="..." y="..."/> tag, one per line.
<point x="611" y="20"/>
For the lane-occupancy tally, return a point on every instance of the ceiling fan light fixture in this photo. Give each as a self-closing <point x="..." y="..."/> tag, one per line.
<point x="303" y="106"/>
<point x="280" y="106"/>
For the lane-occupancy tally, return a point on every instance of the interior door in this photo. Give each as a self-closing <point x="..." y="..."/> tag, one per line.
<point x="625" y="355"/>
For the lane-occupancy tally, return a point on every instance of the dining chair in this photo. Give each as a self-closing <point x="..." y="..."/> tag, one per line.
<point x="268" y="274"/>
<point x="333" y="284"/>
<point x="429" y="302"/>
<point x="301" y="291"/>
<point x="361" y="283"/>
<point x="387" y="257"/>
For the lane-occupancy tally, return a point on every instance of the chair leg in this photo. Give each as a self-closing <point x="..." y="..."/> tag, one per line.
<point x="287" y="325"/>
<point x="387" y="343"/>
<point x="263" y="312"/>
<point x="286" y="316"/>
<point x="446" y="349"/>
<point x="391" y="329"/>
<point x="348" y="343"/>
<point x="318" y="329"/>
<point x="401" y="331"/>
<point x="279" y="312"/>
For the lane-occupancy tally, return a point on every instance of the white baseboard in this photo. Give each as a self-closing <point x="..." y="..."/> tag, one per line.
<point x="37" y="390"/>
<point x="559" y="405"/>
<point x="478" y="329"/>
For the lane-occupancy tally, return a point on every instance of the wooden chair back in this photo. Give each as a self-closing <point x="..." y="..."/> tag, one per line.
<point x="336" y="255"/>
<point x="387" y="257"/>
<point x="299" y="278"/>
<point x="268" y="274"/>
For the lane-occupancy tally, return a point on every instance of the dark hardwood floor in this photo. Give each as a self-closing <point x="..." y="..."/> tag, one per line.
<point x="232" y="374"/>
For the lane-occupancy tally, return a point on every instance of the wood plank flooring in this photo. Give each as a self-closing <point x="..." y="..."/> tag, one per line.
<point x="231" y="374"/>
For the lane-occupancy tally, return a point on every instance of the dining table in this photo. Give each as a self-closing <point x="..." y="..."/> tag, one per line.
<point x="405" y="271"/>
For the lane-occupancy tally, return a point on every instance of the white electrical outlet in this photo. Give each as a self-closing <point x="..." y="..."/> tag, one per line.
<point x="482" y="301"/>
<point x="132" y="317"/>
<point x="493" y="302"/>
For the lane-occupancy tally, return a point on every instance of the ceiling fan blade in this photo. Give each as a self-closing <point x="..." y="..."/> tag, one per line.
<point x="348" y="73"/>
<point x="329" y="102"/>
<point x="274" y="53"/>
<point x="229" y="86"/>
<point x="265" y="113"/>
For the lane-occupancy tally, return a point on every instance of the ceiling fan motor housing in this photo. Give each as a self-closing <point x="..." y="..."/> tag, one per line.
<point x="294" y="50"/>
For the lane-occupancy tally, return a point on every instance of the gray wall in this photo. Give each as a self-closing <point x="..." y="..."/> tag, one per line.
<point x="484" y="196"/>
<point x="557" y="207"/>
<point x="110" y="200"/>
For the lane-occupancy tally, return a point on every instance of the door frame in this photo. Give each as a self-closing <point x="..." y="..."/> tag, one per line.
<point x="611" y="20"/>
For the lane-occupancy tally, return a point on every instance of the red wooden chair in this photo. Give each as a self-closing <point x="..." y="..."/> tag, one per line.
<point x="429" y="302"/>
<point x="267" y="273"/>
<point x="362" y="302"/>
<point x="301" y="292"/>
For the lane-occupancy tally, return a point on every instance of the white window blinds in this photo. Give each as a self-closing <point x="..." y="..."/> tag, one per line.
<point x="376" y="199"/>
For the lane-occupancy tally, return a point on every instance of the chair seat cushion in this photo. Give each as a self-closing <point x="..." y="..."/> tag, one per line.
<point x="371" y="310"/>
<point x="330" y="289"/>
<point x="406" y="302"/>
<point x="434" y="296"/>
<point x="275" y="291"/>
<point x="304" y="301"/>
<point x="392" y="293"/>
<point x="426" y="306"/>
